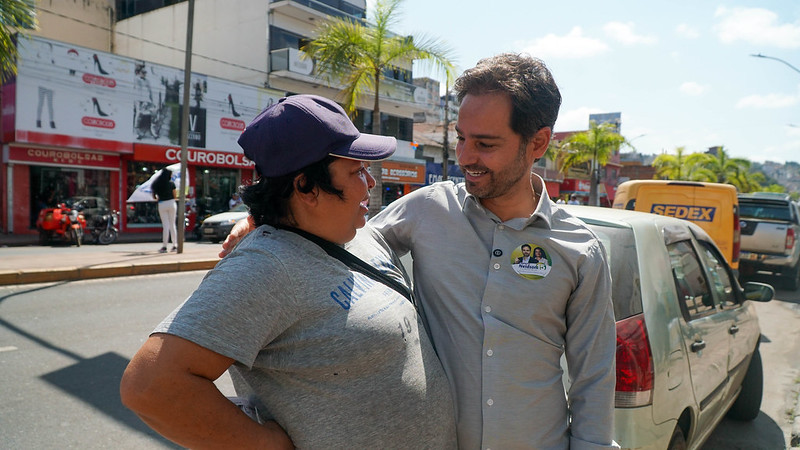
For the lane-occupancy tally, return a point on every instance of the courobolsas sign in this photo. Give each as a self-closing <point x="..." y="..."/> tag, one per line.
<point x="62" y="157"/>
<point x="195" y="156"/>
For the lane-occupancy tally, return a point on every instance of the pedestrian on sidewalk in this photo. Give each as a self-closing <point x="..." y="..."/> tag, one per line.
<point x="164" y="191"/>
<point x="328" y="349"/>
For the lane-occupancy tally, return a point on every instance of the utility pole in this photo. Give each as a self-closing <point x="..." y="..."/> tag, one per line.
<point x="187" y="81"/>
<point x="446" y="137"/>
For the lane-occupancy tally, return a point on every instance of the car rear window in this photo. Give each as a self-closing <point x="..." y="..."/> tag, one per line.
<point x="620" y="245"/>
<point x="769" y="212"/>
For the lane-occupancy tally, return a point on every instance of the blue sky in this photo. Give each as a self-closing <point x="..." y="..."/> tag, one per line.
<point x="680" y="72"/>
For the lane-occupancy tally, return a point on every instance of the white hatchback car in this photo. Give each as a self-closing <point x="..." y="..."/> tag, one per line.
<point x="216" y="228"/>
<point x="687" y="333"/>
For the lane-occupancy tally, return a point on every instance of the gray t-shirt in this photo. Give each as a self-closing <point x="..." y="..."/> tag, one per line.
<point x="336" y="358"/>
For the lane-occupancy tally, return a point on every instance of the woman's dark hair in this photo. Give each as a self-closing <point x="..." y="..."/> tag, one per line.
<point x="268" y="199"/>
<point x="162" y="180"/>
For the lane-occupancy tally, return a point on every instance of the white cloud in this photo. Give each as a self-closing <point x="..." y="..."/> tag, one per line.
<point x="769" y="101"/>
<point x="755" y="26"/>
<point x="572" y="45"/>
<point x="576" y="119"/>
<point x="687" y="31"/>
<point x="624" y="34"/>
<point x="692" y="88"/>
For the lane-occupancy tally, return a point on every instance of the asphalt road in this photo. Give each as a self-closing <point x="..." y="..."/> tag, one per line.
<point x="63" y="347"/>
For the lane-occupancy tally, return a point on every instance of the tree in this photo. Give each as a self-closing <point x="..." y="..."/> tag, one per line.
<point x="682" y="167"/>
<point x="595" y="145"/>
<point x="725" y="168"/>
<point x="14" y="15"/>
<point x="357" y="55"/>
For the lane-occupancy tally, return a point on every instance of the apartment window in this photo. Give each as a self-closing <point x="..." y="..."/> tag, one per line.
<point x="130" y="8"/>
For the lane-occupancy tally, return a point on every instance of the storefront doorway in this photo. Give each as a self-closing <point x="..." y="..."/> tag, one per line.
<point x="213" y="189"/>
<point x="50" y="186"/>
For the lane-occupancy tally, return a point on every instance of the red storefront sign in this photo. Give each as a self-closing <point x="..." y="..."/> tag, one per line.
<point x="195" y="156"/>
<point x="62" y="157"/>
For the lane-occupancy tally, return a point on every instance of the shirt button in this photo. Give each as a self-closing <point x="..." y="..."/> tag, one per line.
<point x="490" y="402"/>
<point x="489" y="352"/>
<point x="496" y="266"/>
<point x="501" y="227"/>
<point x="488" y="309"/>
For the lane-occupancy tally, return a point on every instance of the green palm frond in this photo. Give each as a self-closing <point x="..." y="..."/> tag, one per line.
<point x="15" y="15"/>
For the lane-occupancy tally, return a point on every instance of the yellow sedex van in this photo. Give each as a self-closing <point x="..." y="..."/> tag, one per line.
<point x="712" y="206"/>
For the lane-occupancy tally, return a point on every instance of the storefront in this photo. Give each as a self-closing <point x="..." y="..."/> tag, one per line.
<point x="213" y="177"/>
<point x="77" y="122"/>
<point x="400" y="178"/>
<point x="45" y="177"/>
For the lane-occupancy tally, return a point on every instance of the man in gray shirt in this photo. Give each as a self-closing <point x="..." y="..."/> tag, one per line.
<point x="500" y="328"/>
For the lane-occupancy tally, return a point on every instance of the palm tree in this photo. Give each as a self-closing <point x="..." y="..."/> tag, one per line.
<point x="356" y="55"/>
<point x="726" y="168"/>
<point x="681" y="166"/>
<point x="595" y="145"/>
<point x="14" y="15"/>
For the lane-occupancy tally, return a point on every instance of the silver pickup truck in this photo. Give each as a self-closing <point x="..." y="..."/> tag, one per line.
<point x="770" y="228"/>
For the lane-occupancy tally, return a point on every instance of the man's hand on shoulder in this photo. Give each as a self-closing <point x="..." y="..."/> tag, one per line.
<point x="240" y="230"/>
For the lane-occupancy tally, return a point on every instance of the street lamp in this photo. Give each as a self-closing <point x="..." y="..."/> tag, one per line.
<point x="759" y="55"/>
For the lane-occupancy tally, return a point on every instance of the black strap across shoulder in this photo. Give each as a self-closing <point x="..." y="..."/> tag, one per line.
<point x="354" y="262"/>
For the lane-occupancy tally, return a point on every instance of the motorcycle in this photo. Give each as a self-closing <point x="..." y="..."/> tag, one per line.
<point x="62" y="223"/>
<point x="104" y="228"/>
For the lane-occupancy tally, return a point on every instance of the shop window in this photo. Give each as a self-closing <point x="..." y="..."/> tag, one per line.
<point x="213" y="190"/>
<point x="141" y="214"/>
<point x="51" y="186"/>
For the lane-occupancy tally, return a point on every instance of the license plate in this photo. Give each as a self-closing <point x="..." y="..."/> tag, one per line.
<point x="208" y="231"/>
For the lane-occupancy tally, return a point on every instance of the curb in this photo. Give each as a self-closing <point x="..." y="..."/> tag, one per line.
<point x="86" y="273"/>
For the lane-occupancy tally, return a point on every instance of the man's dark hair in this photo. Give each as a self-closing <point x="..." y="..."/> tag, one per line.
<point x="525" y="245"/>
<point x="535" y="98"/>
<point x="268" y="199"/>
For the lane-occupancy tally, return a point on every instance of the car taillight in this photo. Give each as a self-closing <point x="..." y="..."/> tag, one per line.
<point x="634" y="364"/>
<point x="789" y="239"/>
<point x="737" y="235"/>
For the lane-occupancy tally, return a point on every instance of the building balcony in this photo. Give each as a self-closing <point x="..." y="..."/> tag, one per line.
<point x="305" y="10"/>
<point x="292" y="71"/>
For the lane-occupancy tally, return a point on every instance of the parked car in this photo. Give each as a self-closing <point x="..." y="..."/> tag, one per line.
<point x="687" y="332"/>
<point x="217" y="227"/>
<point x="770" y="230"/>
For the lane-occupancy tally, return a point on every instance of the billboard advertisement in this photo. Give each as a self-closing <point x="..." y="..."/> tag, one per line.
<point x="77" y="97"/>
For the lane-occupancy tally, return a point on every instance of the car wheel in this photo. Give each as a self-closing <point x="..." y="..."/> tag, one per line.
<point x="792" y="280"/>
<point x="215" y="240"/>
<point x="748" y="403"/>
<point x="678" y="441"/>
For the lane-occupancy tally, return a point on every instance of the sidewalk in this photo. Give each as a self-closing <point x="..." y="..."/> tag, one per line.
<point x="23" y="261"/>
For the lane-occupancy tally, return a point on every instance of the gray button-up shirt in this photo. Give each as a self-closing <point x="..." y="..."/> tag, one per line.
<point x="500" y="328"/>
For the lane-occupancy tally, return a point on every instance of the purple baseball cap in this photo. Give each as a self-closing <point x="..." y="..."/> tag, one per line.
<point x="302" y="129"/>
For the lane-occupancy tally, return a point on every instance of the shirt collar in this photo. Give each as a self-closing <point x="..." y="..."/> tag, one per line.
<point x="544" y="208"/>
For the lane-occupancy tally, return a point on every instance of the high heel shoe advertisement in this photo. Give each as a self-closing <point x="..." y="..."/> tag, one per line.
<point x="72" y="96"/>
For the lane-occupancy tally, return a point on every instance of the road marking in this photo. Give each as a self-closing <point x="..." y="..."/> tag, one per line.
<point x="10" y="348"/>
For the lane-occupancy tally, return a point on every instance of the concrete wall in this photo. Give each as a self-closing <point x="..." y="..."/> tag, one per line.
<point x="87" y="23"/>
<point x="229" y="38"/>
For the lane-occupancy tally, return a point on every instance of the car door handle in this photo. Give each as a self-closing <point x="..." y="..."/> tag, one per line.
<point x="698" y="345"/>
<point x="733" y="329"/>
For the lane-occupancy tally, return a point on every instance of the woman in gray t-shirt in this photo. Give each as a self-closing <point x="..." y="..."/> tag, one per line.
<point x="330" y="357"/>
